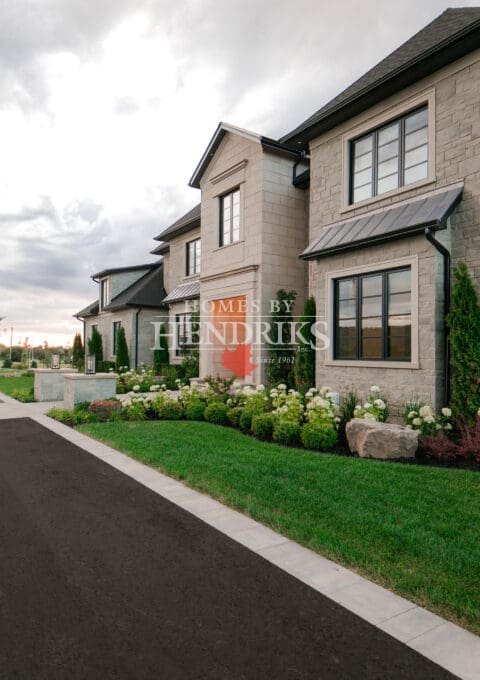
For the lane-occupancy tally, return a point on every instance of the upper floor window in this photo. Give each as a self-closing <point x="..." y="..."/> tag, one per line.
<point x="373" y="316"/>
<point x="389" y="157"/>
<point x="230" y="217"/>
<point x="104" y="292"/>
<point x="194" y="255"/>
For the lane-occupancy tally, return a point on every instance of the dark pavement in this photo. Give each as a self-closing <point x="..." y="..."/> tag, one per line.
<point x="101" y="578"/>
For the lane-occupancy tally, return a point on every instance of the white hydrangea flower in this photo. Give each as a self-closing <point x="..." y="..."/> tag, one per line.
<point x="448" y="426"/>
<point x="417" y="422"/>
<point x="429" y="419"/>
<point x="369" y="416"/>
<point x="325" y="390"/>
<point x="367" y="404"/>
<point x="412" y="414"/>
<point x="136" y="388"/>
<point x="446" y="412"/>
<point x="282" y="387"/>
<point x="260" y="388"/>
<point x="380" y="404"/>
<point x="425" y="411"/>
<point x="438" y="426"/>
<point x="374" y="389"/>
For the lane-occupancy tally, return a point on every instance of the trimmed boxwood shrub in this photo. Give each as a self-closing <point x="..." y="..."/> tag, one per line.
<point x="319" y="436"/>
<point x="286" y="432"/>
<point x="217" y="413"/>
<point x="169" y="410"/>
<point x="234" y="415"/>
<point x="262" y="425"/>
<point x="246" y="418"/>
<point x="195" y="410"/>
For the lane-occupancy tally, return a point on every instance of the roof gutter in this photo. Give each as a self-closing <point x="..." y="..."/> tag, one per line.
<point x="445" y="253"/>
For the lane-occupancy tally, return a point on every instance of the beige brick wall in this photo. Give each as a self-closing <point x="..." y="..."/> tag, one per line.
<point x="456" y="129"/>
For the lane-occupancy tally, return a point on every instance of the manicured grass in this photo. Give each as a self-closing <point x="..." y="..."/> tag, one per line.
<point x="412" y="529"/>
<point x="12" y="384"/>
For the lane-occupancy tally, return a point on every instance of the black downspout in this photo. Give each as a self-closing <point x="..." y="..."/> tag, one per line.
<point x="446" y="308"/>
<point x="136" y="335"/>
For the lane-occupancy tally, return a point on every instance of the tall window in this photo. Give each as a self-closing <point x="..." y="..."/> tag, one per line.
<point x="389" y="157"/>
<point x="194" y="256"/>
<point x="115" y="326"/>
<point x="373" y="316"/>
<point x="104" y="292"/>
<point x="186" y="334"/>
<point x="230" y="217"/>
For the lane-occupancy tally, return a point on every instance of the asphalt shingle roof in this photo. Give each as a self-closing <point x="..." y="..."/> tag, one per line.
<point x="459" y="25"/>
<point x="190" y="220"/>
<point x="148" y="291"/>
<point x="89" y="310"/>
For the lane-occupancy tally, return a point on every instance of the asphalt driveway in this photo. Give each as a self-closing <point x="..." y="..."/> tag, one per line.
<point x="101" y="578"/>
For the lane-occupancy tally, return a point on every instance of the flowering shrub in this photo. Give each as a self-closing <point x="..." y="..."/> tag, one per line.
<point x="136" y="407"/>
<point x="375" y="408"/>
<point x="288" y="406"/>
<point x="321" y="408"/>
<point x="426" y="422"/>
<point x="467" y="447"/>
<point x="140" y="380"/>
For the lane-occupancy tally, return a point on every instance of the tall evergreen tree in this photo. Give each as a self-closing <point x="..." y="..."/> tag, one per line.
<point x="95" y="346"/>
<point x="122" y="358"/>
<point x="160" y="356"/>
<point x="306" y="353"/>
<point x="464" y="324"/>
<point x="282" y="351"/>
<point x="77" y="351"/>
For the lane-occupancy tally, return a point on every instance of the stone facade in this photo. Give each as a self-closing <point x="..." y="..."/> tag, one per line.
<point x="273" y="232"/>
<point x="454" y="128"/>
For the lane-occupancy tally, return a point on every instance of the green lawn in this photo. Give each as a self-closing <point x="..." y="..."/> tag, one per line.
<point x="412" y="529"/>
<point x="22" y="384"/>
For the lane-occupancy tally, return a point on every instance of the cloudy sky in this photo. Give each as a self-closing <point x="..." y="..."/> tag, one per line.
<point x="106" y="108"/>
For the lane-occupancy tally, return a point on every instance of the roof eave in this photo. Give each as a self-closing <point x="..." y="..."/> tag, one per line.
<point x="441" y="55"/>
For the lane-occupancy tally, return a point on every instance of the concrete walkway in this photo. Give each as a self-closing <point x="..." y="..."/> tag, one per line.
<point x="443" y="643"/>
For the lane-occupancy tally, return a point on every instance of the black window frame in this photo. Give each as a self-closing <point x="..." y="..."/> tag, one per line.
<point x="189" y="270"/>
<point x="115" y="326"/>
<point x="221" y="199"/>
<point x="358" y="315"/>
<point x="182" y="321"/>
<point x="401" y="154"/>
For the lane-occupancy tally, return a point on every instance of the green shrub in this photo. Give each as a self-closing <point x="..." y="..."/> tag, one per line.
<point x="246" y="417"/>
<point x="217" y="412"/>
<point x="234" y="415"/>
<point x="78" y="353"/>
<point x="262" y="426"/>
<point x="189" y="368"/>
<point x="319" y="436"/>
<point x="195" y="410"/>
<point x="464" y="323"/>
<point x="168" y="409"/>
<point x="122" y="357"/>
<point x="348" y="405"/>
<point x="33" y="364"/>
<point x="7" y="363"/>
<point x="286" y="432"/>
<point x="306" y="350"/>
<point x="95" y="346"/>
<point x="169" y="373"/>
<point x="135" y="410"/>
<point x="161" y="355"/>
<point x="219" y="389"/>
<point x="23" y="395"/>
<point x="71" y="418"/>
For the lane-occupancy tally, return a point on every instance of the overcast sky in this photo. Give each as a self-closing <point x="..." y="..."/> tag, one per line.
<point x="106" y="108"/>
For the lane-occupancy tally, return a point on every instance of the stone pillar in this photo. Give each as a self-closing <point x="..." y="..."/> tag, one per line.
<point x="80" y="387"/>
<point x="48" y="383"/>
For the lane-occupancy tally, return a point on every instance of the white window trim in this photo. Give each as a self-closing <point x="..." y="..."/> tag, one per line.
<point x="425" y="98"/>
<point x="105" y="283"/>
<point x="330" y="278"/>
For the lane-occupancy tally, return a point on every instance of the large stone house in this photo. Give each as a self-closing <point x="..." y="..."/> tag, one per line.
<point x="394" y="203"/>
<point x="131" y="297"/>
<point x="366" y="206"/>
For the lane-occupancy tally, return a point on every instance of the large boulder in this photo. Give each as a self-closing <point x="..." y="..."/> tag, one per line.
<point x="381" y="440"/>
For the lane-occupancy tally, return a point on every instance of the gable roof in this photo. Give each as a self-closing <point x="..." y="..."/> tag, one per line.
<point x="450" y="36"/>
<point x="189" y="221"/>
<point x="148" y="291"/>
<point x="267" y="143"/>
<point x="89" y="310"/>
<point x="378" y="226"/>
<point x="119" y="270"/>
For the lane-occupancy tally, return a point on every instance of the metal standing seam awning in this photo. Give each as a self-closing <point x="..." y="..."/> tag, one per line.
<point x="406" y="219"/>
<point x="186" y="291"/>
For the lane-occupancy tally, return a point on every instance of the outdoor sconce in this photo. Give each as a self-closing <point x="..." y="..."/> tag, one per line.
<point x="90" y="364"/>
<point x="55" y="361"/>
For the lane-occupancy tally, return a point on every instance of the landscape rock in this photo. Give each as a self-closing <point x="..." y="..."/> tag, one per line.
<point x="371" y="439"/>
